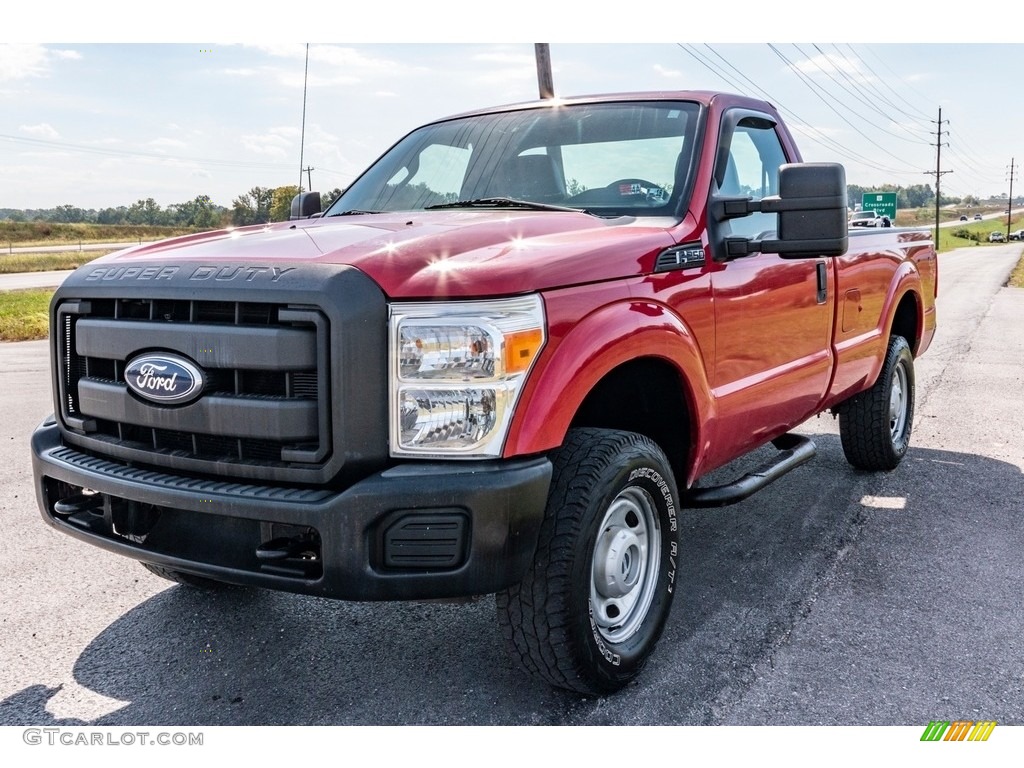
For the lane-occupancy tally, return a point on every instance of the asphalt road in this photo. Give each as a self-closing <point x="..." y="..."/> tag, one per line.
<point x="64" y="247"/>
<point x="833" y="597"/>
<point x="23" y="280"/>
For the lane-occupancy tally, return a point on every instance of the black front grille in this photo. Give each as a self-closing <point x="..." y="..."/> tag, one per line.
<point x="266" y="399"/>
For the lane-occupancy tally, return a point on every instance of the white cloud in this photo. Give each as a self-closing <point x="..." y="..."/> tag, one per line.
<point x="23" y="60"/>
<point x="166" y="143"/>
<point x="505" y="78"/>
<point x="269" y="144"/>
<point x="833" y="64"/>
<point x="507" y="58"/>
<point x="666" y="72"/>
<point x="329" y="65"/>
<point x="43" y="131"/>
<point x="286" y="131"/>
<point x="19" y="61"/>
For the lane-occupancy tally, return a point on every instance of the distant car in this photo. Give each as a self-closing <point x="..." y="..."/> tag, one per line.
<point x="977" y="217"/>
<point x="963" y="218"/>
<point x="1018" y="235"/>
<point x="996" y="237"/>
<point x="866" y="219"/>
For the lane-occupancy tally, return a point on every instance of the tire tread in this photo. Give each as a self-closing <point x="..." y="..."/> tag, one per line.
<point x="535" y="615"/>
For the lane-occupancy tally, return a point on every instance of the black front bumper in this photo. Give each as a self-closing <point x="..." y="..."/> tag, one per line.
<point x="418" y="530"/>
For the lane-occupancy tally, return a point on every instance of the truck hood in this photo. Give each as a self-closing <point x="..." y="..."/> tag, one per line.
<point x="435" y="254"/>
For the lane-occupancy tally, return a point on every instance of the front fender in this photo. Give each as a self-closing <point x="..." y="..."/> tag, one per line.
<point x="572" y="365"/>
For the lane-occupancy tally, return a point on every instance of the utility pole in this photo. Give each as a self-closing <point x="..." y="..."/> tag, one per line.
<point x="302" y="140"/>
<point x="545" y="83"/>
<point x="1009" y="203"/>
<point x="309" y="177"/>
<point x="938" y="171"/>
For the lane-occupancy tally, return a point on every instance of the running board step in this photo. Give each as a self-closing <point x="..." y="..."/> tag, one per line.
<point x="794" y="450"/>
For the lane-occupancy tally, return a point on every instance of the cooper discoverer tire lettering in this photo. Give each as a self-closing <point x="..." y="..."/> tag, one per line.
<point x="593" y="604"/>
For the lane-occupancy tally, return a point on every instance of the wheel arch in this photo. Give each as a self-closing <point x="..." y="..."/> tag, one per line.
<point x="591" y="376"/>
<point x="908" y="320"/>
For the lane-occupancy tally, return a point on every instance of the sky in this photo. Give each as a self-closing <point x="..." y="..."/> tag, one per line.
<point x="114" y="117"/>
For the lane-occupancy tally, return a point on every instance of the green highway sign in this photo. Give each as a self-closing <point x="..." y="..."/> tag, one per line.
<point x="882" y="203"/>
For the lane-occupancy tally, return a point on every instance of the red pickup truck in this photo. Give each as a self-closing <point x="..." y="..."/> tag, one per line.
<point x="500" y="362"/>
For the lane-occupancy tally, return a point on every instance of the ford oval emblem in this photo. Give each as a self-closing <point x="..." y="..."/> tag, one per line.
<point x="164" y="378"/>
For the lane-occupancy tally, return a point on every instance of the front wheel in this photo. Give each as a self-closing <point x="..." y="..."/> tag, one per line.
<point x="875" y="425"/>
<point x="592" y="606"/>
<point x="187" y="579"/>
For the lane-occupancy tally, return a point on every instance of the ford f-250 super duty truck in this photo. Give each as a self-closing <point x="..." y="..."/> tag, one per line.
<point x="499" y="363"/>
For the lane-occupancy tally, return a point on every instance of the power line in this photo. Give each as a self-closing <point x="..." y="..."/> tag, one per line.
<point x="796" y="125"/>
<point x="856" y="93"/>
<point x="816" y="91"/>
<point x="885" y="81"/>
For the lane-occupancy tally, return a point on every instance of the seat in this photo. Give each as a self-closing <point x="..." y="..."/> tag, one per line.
<point x="530" y="177"/>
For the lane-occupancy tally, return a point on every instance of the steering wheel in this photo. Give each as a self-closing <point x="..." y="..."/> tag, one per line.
<point x="624" y="190"/>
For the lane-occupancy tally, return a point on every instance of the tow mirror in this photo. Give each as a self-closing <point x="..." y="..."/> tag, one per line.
<point x="812" y="209"/>
<point x="305" y="205"/>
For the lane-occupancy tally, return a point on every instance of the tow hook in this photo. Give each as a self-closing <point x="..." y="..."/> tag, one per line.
<point x="83" y="509"/>
<point x="290" y="555"/>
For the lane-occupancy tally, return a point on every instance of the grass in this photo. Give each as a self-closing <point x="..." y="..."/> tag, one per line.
<point x="16" y="263"/>
<point x="24" y="315"/>
<point x="24" y="233"/>
<point x="972" y="233"/>
<point x="1017" y="276"/>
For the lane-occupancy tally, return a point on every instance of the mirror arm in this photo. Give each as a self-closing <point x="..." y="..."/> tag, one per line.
<point x="725" y="208"/>
<point x="738" y="247"/>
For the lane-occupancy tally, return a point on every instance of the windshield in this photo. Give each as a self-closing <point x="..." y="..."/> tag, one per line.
<point x="612" y="159"/>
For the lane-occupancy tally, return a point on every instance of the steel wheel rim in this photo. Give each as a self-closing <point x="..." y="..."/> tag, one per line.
<point x="899" y="398"/>
<point x="624" y="565"/>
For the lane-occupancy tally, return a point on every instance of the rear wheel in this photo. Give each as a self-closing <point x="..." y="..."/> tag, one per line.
<point x="592" y="606"/>
<point x="875" y="425"/>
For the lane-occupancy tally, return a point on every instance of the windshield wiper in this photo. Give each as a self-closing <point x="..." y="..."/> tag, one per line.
<point x="506" y="202"/>
<point x="354" y="212"/>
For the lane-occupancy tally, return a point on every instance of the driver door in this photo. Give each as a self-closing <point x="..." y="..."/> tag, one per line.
<point x="773" y="316"/>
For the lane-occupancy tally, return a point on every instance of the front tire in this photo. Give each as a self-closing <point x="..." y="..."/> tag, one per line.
<point x="592" y="606"/>
<point x="875" y="425"/>
<point x="187" y="579"/>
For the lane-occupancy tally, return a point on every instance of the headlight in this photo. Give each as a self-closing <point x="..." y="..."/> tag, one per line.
<point x="456" y="371"/>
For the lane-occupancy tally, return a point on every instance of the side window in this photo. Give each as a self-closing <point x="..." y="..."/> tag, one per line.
<point x="436" y="177"/>
<point x="752" y="170"/>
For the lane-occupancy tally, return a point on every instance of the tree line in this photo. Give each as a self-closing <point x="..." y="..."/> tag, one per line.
<point x="259" y="205"/>
<point x="919" y="196"/>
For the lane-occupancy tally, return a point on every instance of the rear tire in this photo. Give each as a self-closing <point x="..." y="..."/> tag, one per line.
<point x="875" y="425"/>
<point x="593" y="604"/>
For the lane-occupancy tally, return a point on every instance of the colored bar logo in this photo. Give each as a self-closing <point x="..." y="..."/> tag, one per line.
<point x="958" y="730"/>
